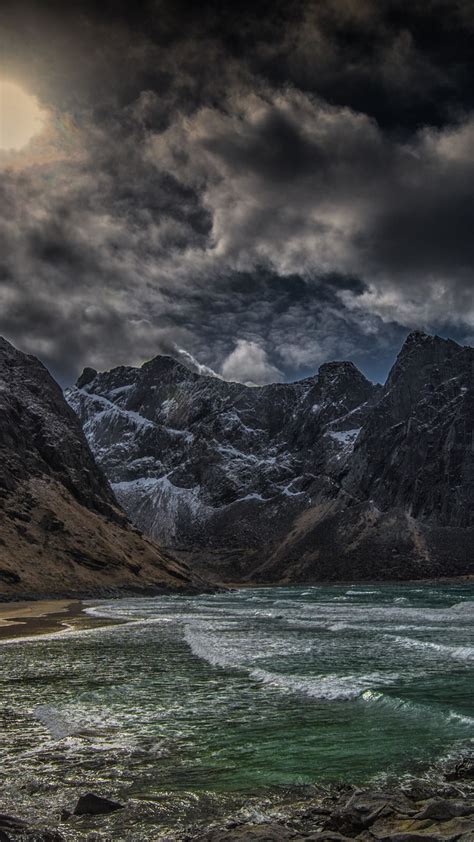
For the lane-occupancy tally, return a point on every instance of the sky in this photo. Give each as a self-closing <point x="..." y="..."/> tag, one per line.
<point x="254" y="188"/>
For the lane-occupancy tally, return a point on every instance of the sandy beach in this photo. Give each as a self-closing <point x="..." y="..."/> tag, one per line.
<point x="23" y="619"/>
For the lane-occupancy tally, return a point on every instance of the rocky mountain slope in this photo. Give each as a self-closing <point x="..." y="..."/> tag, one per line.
<point x="61" y="530"/>
<point x="331" y="477"/>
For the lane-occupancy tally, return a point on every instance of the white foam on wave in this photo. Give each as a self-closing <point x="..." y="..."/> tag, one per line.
<point x="216" y="650"/>
<point x="467" y="607"/>
<point x="325" y="687"/>
<point x="52" y="719"/>
<point x="416" y="710"/>
<point x="207" y="642"/>
<point x="461" y="717"/>
<point x="242" y="652"/>
<point x="106" y="613"/>
<point x="71" y="722"/>
<point x="462" y="653"/>
<point x="307" y="624"/>
<point x="128" y="618"/>
<point x="343" y="627"/>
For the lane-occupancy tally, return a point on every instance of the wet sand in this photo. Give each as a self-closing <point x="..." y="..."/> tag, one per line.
<point x="25" y="619"/>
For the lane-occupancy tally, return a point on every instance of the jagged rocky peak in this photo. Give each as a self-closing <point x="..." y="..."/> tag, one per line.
<point x="337" y="399"/>
<point x="165" y="367"/>
<point x="136" y="384"/>
<point x="343" y="379"/>
<point x="340" y="371"/>
<point x="417" y="339"/>
<point x="422" y="344"/>
<point x="87" y="376"/>
<point x="423" y="365"/>
<point x="12" y="359"/>
<point x="7" y="349"/>
<point x="421" y="354"/>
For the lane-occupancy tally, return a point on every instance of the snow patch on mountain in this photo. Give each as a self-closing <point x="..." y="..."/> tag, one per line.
<point x="159" y="504"/>
<point x="345" y="437"/>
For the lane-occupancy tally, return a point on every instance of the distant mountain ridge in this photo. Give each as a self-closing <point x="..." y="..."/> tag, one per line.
<point x="331" y="477"/>
<point x="61" y="530"/>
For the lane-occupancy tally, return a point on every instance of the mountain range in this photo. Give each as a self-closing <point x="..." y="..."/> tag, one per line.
<point x="328" y="478"/>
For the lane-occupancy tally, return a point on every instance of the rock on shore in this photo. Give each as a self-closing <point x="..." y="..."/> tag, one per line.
<point x="419" y="810"/>
<point x="416" y="812"/>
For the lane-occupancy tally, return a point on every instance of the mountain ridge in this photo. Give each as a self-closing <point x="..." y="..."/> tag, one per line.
<point x="328" y="477"/>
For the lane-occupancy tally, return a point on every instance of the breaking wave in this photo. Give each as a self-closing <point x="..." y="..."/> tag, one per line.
<point x="462" y="653"/>
<point x="330" y="687"/>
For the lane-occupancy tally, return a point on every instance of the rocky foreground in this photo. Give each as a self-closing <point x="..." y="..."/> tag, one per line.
<point x="417" y="811"/>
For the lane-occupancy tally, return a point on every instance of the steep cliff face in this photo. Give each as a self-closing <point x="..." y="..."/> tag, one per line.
<point x="330" y="477"/>
<point x="404" y="504"/>
<point x="423" y="427"/>
<point x="61" y="530"/>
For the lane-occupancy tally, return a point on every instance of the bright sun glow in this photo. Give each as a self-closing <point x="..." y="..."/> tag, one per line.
<point x="21" y="118"/>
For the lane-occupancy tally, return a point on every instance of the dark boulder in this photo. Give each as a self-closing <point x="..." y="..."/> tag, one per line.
<point x="95" y="805"/>
<point x="442" y="810"/>
<point x="407" y="836"/>
<point x="11" y="822"/>
<point x="20" y="830"/>
<point x="272" y="832"/>
<point x="461" y="771"/>
<point x="363" y="809"/>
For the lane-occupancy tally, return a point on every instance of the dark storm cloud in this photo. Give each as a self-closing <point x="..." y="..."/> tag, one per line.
<point x="303" y="186"/>
<point x="262" y="189"/>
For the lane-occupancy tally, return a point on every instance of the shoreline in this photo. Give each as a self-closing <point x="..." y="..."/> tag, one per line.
<point x="40" y="617"/>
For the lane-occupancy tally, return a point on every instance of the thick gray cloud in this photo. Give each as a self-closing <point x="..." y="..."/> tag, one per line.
<point x="261" y="193"/>
<point x="306" y="188"/>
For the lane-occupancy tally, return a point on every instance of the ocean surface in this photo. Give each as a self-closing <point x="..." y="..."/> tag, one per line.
<point x="225" y="704"/>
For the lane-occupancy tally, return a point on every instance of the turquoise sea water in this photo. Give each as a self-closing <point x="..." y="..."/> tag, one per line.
<point x="199" y="702"/>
